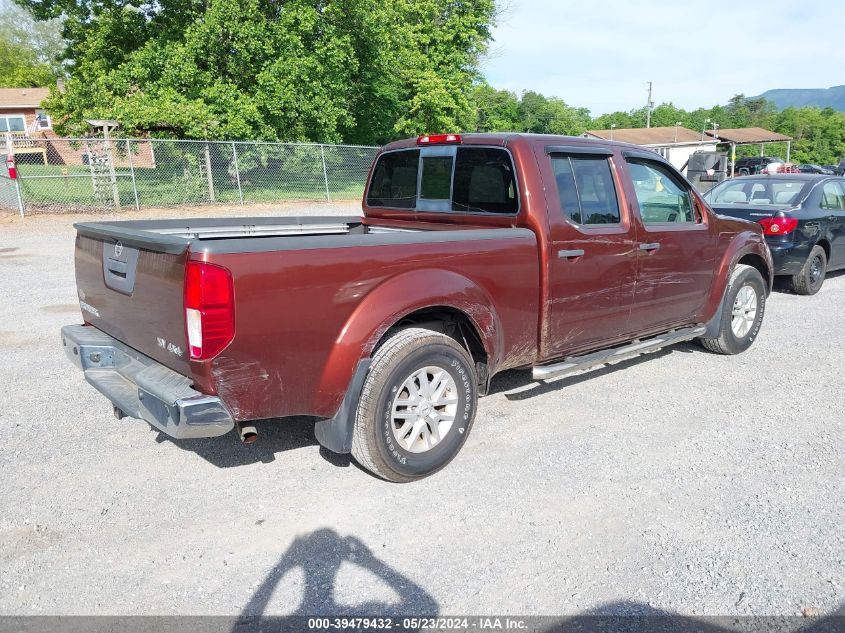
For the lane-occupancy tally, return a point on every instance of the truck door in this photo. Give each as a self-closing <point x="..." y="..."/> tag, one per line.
<point x="591" y="254"/>
<point x="676" y="247"/>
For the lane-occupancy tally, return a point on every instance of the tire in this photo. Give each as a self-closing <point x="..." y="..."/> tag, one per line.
<point x="382" y="442"/>
<point x="809" y="281"/>
<point x="738" y="326"/>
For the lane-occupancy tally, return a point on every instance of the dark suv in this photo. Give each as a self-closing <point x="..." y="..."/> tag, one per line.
<point x="754" y="164"/>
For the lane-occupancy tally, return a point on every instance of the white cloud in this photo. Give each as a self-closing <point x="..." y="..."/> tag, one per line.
<point x="600" y="54"/>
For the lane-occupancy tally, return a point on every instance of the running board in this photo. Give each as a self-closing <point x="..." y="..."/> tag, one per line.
<point x="580" y="363"/>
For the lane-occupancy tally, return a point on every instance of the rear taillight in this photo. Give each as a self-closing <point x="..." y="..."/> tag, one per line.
<point x="209" y="309"/>
<point x="778" y="226"/>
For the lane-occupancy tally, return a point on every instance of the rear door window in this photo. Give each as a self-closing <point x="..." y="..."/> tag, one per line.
<point x="832" y="196"/>
<point x="586" y="190"/>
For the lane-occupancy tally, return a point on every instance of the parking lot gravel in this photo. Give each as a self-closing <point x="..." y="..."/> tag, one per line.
<point x="681" y="481"/>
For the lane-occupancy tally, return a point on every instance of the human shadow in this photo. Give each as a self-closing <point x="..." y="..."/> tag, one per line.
<point x="635" y="617"/>
<point x="276" y="435"/>
<point x="319" y="555"/>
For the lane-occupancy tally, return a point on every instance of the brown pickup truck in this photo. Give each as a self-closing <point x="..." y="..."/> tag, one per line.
<point x="475" y="254"/>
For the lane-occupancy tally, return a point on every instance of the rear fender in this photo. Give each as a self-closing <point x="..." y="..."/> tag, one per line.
<point x="386" y="305"/>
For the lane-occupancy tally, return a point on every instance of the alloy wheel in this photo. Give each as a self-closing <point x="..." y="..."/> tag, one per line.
<point x="744" y="311"/>
<point x="424" y="409"/>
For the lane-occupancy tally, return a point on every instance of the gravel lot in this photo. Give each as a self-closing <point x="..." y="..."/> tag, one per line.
<point x="682" y="481"/>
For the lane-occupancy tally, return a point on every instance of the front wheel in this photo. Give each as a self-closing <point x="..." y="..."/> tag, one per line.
<point x="742" y="312"/>
<point x="417" y="406"/>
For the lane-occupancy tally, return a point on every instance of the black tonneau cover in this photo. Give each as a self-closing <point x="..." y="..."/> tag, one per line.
<point x="176" y="236"/>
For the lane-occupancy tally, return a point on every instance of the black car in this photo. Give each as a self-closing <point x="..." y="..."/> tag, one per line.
<point x="806" y="168"/>
<point x="754" y="164"/>
<point x="803" y="218"/>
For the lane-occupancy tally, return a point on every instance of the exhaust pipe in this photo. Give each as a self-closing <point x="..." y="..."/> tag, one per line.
<point x="247" y="432"/>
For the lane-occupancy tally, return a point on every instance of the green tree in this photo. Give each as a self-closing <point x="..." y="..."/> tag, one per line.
<point x="496" y="110"/>
<point x="567" y="120"/>
<point x="667" y="115"/>
<point x="819" y="134"/>
<point x="438" y="63"/>
<point x="353" y="70"/>
<point x="618" y="119"/>
<point x="19" y="67"/>
<point x="29" y="50"/>
<point x="550" y="115"/>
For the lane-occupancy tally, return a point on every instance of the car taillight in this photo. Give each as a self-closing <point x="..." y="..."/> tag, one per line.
<point x="778" y="226"/>
<point x="439" y="139"/>
<point x="209" y="309"/>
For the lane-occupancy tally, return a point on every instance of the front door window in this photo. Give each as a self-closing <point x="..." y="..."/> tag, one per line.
<point x="662" y="200"/>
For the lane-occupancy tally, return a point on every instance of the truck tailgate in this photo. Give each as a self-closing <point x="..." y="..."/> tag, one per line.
<point x="134" y="292"/>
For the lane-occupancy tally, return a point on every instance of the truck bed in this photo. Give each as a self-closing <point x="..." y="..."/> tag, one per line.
<point x="298" y="284"/>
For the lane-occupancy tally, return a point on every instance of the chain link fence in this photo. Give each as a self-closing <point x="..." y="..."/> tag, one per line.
<point x="8" y="194"/>
<point x="76" y="175"/>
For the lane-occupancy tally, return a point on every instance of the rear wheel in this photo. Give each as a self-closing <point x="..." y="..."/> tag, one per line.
<point x="742" y="313"/>
<point x="417" y="406"/>
<point x="809" y="281"/>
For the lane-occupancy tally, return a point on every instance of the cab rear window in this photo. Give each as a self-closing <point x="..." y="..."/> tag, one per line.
<point x="484" y="181"/>
<point x="470" y="180"/>
<point x="394" y="181"/>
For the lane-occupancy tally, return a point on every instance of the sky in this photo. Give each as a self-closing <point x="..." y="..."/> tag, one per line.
<point x="600" y="54"/>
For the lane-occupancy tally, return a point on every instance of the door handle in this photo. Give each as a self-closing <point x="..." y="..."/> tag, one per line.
<point x="652" y="246"/>
<point x="570" y="254"/>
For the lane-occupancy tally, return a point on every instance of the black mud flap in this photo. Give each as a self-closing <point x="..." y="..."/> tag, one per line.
<point x="714" y="325"/>
<point x="335" y="434"/>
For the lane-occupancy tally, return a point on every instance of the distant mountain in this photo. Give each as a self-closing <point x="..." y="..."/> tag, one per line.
<point x="815" y="97"/>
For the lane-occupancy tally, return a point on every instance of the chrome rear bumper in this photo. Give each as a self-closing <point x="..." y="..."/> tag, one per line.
<point x="144" y="388"/>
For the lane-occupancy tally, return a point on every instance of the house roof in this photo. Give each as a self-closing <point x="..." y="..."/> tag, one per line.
<point x="749" y="135"/>
<point x="650" y="136"/>
<point x="22" y="97"/>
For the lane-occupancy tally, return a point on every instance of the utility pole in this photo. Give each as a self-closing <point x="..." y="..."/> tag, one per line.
<point x="649" y="106"/>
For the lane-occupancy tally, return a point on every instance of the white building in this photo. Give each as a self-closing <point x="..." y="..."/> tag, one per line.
<point x="676" y="144"/>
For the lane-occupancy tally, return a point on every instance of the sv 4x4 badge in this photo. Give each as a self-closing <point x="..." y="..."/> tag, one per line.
<point x="170" y="347"/>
